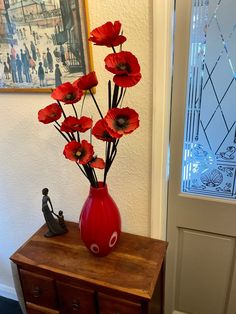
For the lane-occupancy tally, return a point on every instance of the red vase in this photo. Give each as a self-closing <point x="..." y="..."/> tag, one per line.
<point x="100" y="222"/>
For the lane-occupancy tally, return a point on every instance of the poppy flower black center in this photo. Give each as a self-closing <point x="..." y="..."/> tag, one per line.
<point x="121" y="122"/>
<point x="124" y="67"/>
<point x="70" y="96"/>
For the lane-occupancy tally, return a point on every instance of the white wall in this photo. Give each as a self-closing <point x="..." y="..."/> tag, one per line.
<point x="31" y="153"/>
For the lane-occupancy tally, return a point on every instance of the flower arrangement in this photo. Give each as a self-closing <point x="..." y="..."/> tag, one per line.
<point x="111" y="127"/>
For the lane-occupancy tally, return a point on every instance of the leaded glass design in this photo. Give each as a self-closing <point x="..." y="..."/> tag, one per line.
<point x="209" y="154"/>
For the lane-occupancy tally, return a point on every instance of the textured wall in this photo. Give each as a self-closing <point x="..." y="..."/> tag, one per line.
<point x="31" y="153"/>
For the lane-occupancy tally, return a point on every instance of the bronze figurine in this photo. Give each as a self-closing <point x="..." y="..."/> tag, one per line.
<point x="55" y="226"/>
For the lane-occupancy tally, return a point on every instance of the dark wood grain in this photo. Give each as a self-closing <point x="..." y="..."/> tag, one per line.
<point x="133" y="266"/>
<point x="130" y="272"/>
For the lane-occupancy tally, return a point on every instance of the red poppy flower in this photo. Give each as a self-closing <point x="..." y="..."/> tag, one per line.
<point x="87" y="81"/>
<point x="67" y="93"/>
<point x="79" y="152"/>
<point x="107" y="35"/>
<point x="50" y="113"/>
<point x="73" y="124"/>
<point x="97" y="163"/>
<point x="121" y="121"/>
<point x="126" y="68"/>
<point x="100" y="131"/>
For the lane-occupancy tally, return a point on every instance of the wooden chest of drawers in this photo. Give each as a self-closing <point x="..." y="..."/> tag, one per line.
<point x="59" y="275"/>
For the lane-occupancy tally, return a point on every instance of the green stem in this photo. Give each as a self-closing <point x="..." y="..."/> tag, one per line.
<point x="82" y="106"/>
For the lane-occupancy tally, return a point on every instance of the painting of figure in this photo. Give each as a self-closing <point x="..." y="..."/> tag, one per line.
<point x="43" y="43"/>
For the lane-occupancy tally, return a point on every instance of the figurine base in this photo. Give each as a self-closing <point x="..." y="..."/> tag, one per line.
<point x="50" y="234"/>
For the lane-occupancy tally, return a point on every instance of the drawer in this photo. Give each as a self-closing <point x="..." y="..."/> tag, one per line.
<point x="74" y="299"/>
<point x="38" y="289"/>
<point x="37" y="309"/>
<point x="112" y="305"/>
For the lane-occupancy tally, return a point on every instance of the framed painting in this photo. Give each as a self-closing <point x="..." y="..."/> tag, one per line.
<point x="43" y="43"/>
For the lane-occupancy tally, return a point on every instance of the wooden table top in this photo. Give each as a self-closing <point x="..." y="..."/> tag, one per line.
<point x="133" y="267"/>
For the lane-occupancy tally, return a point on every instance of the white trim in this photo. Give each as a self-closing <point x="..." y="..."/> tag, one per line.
<point x="177" y="312"/>
<point x="162" y="74"/>
<point x="8" y="292"/>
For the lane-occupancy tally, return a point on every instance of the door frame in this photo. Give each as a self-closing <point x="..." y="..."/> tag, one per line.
<point x="163" y="40"/>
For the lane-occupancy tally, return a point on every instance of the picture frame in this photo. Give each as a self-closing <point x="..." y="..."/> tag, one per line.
<point x="43" y="44"/>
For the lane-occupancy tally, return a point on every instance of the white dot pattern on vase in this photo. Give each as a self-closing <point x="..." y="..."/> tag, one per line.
<point x="113" y="239"/>
<point x="94" y="248"/>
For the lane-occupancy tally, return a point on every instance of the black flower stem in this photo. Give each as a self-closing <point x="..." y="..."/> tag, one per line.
<point x="63" y="112"/>
<point x="111" y="157"/>
<point x="115" y="95"/>
<point x="82" y="170"/>
<point x="68" y="140"/>
<point x="96" y="103"/>
<point x="91" y="175"/>
<point x="109" y="94"/>
<point x="113" y="49"/>
<point x="71" y="136"/>
<point x="107" y="162"/>
<point x="120" y="97"/>
<point x="78" y="137"/>
<point x="114" y="151"/>
<point x="73" y="106"/>
<point x="95" y="177"/>
<point x="88" y="175"/>
<point x="123" y="97"/>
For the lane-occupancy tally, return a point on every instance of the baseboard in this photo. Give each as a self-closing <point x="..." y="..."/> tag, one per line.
<point x="8" y="292"/>
<point x="177" y="312"/>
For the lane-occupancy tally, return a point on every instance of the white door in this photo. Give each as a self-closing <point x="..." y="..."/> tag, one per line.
<point x="201" y="228"/>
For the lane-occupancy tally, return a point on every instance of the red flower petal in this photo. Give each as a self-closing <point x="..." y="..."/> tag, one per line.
<point x="100" y="131"/>
<point x="79" y="152"/>
<point x="50" y="113"/>
<point x="108" y="35"/>
<point x="127" y="80"/>
<point x="67" y="93"/>
<point x="71" y="149"/>
<point x="97" y="163"/>
<point x="87" y="152"/>
<point x="125" y="66"/>
<point x="122" y="120"/>
<point x="84" y="124"/>
<point x="73" y="124"/>
<point x="87" y="81"/>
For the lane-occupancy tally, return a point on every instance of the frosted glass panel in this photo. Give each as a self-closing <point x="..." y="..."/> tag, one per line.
<point x="209" y="154"/>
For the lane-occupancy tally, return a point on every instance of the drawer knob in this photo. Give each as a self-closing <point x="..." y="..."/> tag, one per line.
<point x="36" y="292"/>
<point x="75" y="305"/>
